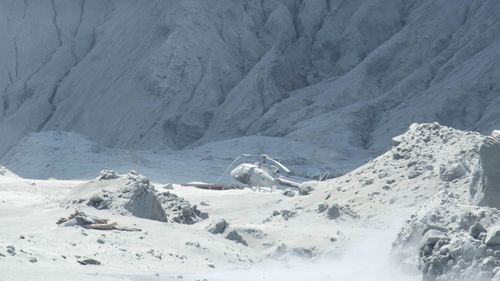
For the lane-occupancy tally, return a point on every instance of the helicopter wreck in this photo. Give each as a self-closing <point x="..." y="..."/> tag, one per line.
<point x="266" y="173"/>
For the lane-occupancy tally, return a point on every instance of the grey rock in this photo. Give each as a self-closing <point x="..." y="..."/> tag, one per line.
<point x="255" y="233"/>
<point x="303" y="252"/>
<point x="133" y="193"/>
<point x="305" y="189"/>
<point x="145" y="204"/>
<point x="287" y="214"/>
<point x="180" y="210"/>
<point x="193" y="244"/>
<point x="485" y="182"/>
<point x="382" y="174"/>
<point x="496" y="277"/>
<point x="169" y="186"/>
<point x="397" y="155"/>
<point x="493" y="237"/>
<point x="236" y="237"/>
<point x="11" y="250"/>
<point x="322" y="208"/>
<point x="396" y="141"/>
<point x="476" y="230"/>
<point x="452" y="172"/>
<point x="480" y="252"/>
<point x="413" y="172"/>
<point x="107" y="175"/>
<point x="97" y="201"/>
<point x="333" y="212"/>
<point x="435" y="227"/>
<point x="88" y="261"/>
<point x="218" y="227"/>
<point x="431" y="237"/>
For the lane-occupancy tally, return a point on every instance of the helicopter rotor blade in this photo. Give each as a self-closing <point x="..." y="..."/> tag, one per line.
<point x="267" y="157"/>
<point x="228" y="167"/>
<point x="252" y="155"/>
<point x="278" y="164"/>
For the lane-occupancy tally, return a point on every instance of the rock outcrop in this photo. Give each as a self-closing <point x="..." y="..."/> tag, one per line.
<point x="485" y="184"/>
<point x="144" y="203"/>
<point x="236" y="237"/>
<point x="134" y="194"/>
<point x="218" y="227"/>
<point x="452" y="241"/>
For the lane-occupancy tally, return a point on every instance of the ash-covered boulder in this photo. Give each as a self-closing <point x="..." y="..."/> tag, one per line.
<point x="236" y="237"/>
<point x="413" y="172"/>
<point x="144" y="202"/>
<point x="99" y="201"/>
<point x="218" y="227"/>
<point x="283" y="215"/>
<point x="333" y="212"/>
<point x="180" y="210"/>
<point x="322" y="207"/>
<point x="305" y="189"/>
<point x="485" y="183"/>
<point x="283" y="249"/>
<point x="431" y="237"/>
<point x="88" y="261"/>
<point x="107" y="175"/>
<point x="452" y="172"/>
<point x="476" y="230"/>
<point x="493" y="237"/>
<point x="336" y="211"/>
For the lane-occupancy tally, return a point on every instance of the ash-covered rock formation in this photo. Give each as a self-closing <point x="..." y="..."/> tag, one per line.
<point x="133" y="194"/>
<point x="485" y="185"/>
<point x="344" y="74"/>
<point x="448" y="238"/>
<point x="452" y="240"/>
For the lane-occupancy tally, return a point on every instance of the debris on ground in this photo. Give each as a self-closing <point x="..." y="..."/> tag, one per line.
<point x="79" y="218"/>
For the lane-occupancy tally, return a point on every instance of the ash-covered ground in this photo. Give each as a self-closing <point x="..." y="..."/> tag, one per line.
<point x="421" y="211"/>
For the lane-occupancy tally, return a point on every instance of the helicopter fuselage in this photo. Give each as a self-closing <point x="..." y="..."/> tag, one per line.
<point x="255" y="175"/>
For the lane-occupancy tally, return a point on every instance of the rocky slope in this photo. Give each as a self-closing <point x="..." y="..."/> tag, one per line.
<point x="342" y="74"/>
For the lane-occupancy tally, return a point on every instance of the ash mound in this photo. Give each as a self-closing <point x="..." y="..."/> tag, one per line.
<point x="427" y="159"/>
<point x="133" y="194"/>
